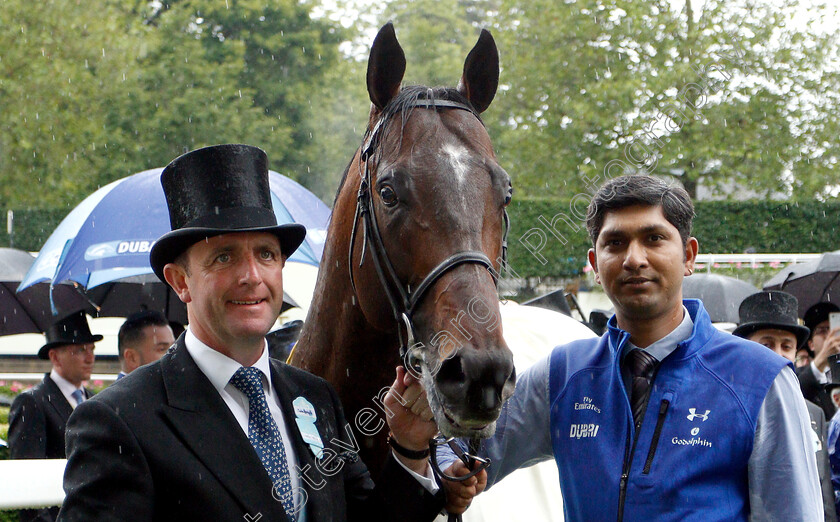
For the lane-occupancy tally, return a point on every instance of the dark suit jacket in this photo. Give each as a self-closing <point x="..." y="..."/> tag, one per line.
<point x="161" y="444"/>
<point x="813" y="391"/>
<point x="36" y="430"/>
<point x="821" y="428"/>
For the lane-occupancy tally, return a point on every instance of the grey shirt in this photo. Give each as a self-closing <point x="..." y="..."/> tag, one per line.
<point x="781" y="487"/>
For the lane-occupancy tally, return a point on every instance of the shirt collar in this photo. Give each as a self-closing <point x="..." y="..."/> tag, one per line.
<point x="67" y="388"/>
<point x="219" y="368"/>
<point x="663" y="347"/>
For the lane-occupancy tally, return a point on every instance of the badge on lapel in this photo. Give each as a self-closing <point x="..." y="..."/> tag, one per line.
<point x="305" y="418"/>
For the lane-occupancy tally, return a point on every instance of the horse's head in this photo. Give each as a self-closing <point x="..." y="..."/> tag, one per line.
<point x="429" y="229"/>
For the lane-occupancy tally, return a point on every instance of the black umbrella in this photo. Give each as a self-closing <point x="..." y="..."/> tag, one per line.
<point x="14" y="317"/>
<point x="30" y="313"/>
<point x="811" y="282"/>
<point x="721" y="295"/>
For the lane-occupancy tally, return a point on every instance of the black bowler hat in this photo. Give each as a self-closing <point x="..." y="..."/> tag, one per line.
<point x="770" y="309"/>
<point x="73" y="329"/>
<point x="819" y="313"/>
<point x="218" y="190"/>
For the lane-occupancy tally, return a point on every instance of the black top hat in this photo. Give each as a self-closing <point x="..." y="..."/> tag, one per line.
<point x="770" y="309"/>
<point x="218" y="190"/>
<point x="73" y="329"/>
<point x="834" y="366"/>
<point x="819" y="313"/>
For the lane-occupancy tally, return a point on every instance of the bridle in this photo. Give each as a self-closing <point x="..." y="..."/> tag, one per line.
<point x="404" y="301"/>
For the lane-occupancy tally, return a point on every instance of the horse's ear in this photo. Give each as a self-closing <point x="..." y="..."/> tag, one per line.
<point x="386" y="67"/>
<point x="481" y="72"/>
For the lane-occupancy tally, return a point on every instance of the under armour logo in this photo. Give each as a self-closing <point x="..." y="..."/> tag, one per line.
<point x="252" y="518"/>
<point x="693" y="415"/>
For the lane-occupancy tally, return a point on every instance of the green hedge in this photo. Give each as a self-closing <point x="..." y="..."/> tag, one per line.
<point x="721" y="226"/>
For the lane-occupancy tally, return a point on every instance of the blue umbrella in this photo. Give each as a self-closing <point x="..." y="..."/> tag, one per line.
<point x="103" y="245"/>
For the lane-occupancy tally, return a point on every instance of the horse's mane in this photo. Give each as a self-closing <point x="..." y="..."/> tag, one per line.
<point x="402" y="105"/>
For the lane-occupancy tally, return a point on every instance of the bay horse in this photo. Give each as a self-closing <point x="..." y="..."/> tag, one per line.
<point x="412" y="255"/>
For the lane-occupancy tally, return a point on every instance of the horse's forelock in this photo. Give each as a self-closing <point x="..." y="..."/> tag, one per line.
<point x="401" y="105"/>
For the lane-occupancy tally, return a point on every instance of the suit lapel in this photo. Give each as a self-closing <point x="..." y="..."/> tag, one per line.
<point x="310" y="477"/>
<point x="57" y="399"/>
<point x="205" y="424"/>
<point x="288" y="391"/>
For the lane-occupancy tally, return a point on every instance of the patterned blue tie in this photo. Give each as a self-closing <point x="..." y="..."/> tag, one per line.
<point x="265" y="436"/>
<point x="78" y="396"/>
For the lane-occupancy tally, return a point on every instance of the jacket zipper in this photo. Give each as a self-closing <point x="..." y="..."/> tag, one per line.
<point x="625" y="473"/>
<point x="663" y="409"/>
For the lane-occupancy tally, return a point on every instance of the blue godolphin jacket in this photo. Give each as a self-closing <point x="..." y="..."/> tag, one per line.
<point x="688" y="461"/>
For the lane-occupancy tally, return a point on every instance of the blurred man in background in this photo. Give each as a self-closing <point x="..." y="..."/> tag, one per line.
<point x="143" y="338"/>
<point x="824" y="343"/>
<point x="769" y="318"/>
<point x="38" y="416"/>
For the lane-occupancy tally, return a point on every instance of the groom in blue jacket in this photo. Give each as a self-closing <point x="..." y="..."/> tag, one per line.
<point x="664" y="417"/>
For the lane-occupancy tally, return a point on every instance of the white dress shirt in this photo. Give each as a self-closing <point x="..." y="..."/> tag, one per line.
<point x="67" y="388"/>
<point x="220" y="368"/>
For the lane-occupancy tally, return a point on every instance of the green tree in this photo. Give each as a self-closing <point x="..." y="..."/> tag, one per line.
<point x="723" y="96"/>
<point x="98" y="90"/>
<point x="240" y="71"/>
<point x="58" y="73"/>
<point x="436" y="36"/>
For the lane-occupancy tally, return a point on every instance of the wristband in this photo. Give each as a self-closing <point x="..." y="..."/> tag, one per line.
<point x="405" y="452"/>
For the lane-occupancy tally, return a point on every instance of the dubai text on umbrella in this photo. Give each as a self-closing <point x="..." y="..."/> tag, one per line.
<point x="103" y="244"/>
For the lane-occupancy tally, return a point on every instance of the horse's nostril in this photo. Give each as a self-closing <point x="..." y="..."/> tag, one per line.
<point x="452" y="371"/>
<point x="489" y="399"/>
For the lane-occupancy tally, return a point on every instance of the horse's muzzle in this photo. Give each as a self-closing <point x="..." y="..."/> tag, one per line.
<point x="473" y="384"/>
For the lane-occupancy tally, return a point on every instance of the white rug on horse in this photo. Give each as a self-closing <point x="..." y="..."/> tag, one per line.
<point x="533" y="493"/>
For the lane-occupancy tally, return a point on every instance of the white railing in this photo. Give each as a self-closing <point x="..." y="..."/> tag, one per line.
<point x="752" y="260"/>
<point x="39" y="376"/>
<point x="31" y="483"/>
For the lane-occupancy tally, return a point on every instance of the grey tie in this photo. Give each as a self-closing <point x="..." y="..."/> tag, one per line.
<point x="641" y="365"/>
<point x="78" y="396"/>
<point x="265" y="435"/>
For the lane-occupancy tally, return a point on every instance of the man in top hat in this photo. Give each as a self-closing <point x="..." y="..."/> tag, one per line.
<point x="215" y="429"/>
<point x="769" y="318"/>
<point x="38" y="416"/>
<point x="823" y="343"/>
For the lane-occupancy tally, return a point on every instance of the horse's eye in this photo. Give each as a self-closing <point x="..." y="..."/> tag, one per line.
<point x="388" y="196"/>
